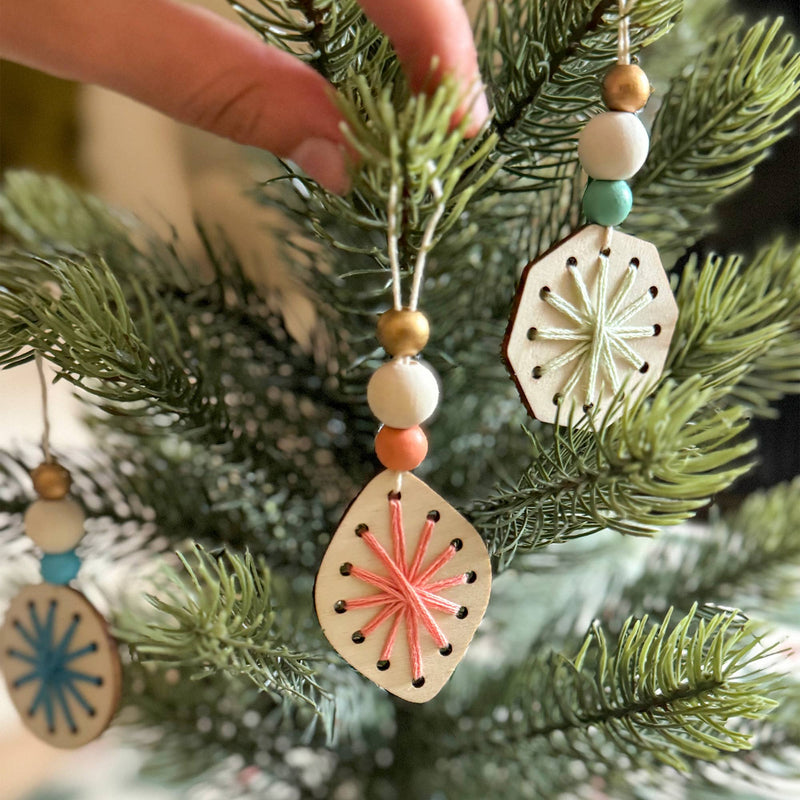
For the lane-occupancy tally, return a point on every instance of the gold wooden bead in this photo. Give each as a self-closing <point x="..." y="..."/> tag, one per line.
<point x="404" y="332"/>
<point x="51" y="481"/>
<point x="626" y="88"/>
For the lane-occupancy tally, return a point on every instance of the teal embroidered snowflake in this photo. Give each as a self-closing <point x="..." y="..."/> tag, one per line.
<point x="53" y="668"/>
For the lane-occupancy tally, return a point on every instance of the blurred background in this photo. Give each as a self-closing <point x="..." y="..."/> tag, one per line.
<point x="166" y="173"/>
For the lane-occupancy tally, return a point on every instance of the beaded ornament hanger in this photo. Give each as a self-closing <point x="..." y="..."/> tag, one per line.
<point x="403" y="565"/>
<point x="595" y="314"/>
<point x="61" y="666"/>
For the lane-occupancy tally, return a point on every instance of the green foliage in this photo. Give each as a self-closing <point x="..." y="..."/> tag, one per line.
<point x="739" y="325"/>
<point x="223" y="429"/>
<point x="716" y="123"/>
<point x="333" y="36"/>
<point x="753" y="553"/>
<point x="219" y="617"/>
<point x="669" y="693"/>
<point x="655" y="466"/>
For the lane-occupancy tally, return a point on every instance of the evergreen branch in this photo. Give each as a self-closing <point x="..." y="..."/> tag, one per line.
<point x="406" y="141"/>
<point x="541" y="62"/>
<point x="89" y="334"/>
<point x="333" y="36"/>
<point x="740" y="327"/>
<point x="190" y="729"/>
<point x="717" y="122"/>
<point x="219" y="617"/>
<point x="755" y="552"/>
<point x="200" y="724"/>
<point x="45" y="215"/>
<point x="660" y="692"/>
<point x="655" y="466"/>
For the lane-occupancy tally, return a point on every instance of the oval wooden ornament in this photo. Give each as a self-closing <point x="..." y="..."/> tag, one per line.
<point x="566" y="297"/>
<point x="61" y="666"/>
<point x="403" y="586"/>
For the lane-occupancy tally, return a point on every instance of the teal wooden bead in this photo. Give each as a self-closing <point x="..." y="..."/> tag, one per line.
<point x="60" y="568"/>
<point x="607" y="202"/>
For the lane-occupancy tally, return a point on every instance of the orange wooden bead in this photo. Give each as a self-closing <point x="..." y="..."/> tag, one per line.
<point x="401" y="449"/>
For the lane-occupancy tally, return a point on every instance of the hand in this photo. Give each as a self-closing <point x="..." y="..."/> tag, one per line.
<point x="210" y="73"/>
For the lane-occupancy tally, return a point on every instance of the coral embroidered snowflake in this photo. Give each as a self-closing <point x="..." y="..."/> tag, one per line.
<point x="53" y="667"/>
<point x="402" y="589"/>
<point x="408" y="592"/>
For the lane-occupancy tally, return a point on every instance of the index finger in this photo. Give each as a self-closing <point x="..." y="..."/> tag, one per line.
<point x="422" y="31"/>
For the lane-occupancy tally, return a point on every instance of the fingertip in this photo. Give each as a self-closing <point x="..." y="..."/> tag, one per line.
<point x="325" y="162"/>
<point x="477" y="113"/>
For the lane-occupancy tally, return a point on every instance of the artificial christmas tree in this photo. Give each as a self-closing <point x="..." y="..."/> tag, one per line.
<point x="221" y="437"/>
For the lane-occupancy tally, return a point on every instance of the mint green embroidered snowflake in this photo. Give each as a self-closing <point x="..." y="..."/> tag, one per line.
<point x="599" y="330"/>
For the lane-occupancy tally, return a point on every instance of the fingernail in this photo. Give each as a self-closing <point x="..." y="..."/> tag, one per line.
<point x="480" y="109"/>
<point x="323" y="160"/>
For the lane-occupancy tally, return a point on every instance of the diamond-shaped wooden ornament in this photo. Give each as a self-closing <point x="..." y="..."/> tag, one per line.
<point x="403" y="587"/>
<point x="588" y="321"/>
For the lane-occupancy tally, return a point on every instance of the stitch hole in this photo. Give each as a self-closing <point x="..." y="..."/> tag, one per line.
<point x="572" y="261"/>
<point x="361" y="529"/>
<point x="544" y="291"/>
<point x="557" y="398"/>
<point x="606" y="251"/>
<point x="471" y="576"/>
<point x="532" y="334"/>
<point x="434" y="516"/>
<point x="394" y="495"/>
<point x="383" y="664"/>
<point x="587" y="407"/>
<point x="456" y="544"/>
<point x="635" y="263"/>
<point x="656" y="330"/>
<point x="345" y="568"/>
<point x="340" y="606"/>
<point x="644" y="368"/>
<point x="653" y="291"/>
<point x="358" y="637"/>
<point x="536" y="372"/>
<point x="462" y="612"/>
<point x="445" y="651"/>
<point x="418" y="683"/>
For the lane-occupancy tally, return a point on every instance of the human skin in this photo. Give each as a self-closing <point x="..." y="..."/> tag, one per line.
<point x="210" y="73"/>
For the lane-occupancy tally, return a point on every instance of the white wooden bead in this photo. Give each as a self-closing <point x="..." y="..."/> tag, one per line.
<point x="613" y="146"/>
<point x="55" y="525"/>
<point x="403" y="393"/>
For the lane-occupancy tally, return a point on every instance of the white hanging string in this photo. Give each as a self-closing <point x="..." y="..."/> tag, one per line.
<point x="425" y="245"/>
<point x="391" y="243"/>
<point x="624" y="36"/>
<point x="427" y="239"/>
<point x="45" y="416"/>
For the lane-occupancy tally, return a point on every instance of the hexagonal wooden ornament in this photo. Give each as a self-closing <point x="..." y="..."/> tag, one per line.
<point x="591" y="318"/>
<point x="403" y="586"/>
